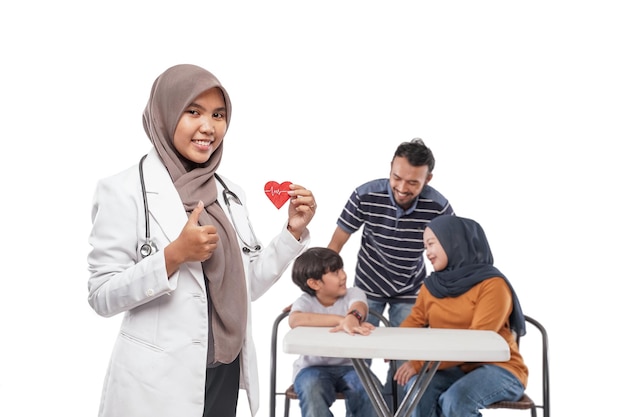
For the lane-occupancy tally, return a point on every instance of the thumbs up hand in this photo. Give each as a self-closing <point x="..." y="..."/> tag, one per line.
<point x="194" y="244"/>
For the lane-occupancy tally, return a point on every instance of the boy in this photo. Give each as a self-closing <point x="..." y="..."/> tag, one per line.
<point x="327" y="302"/>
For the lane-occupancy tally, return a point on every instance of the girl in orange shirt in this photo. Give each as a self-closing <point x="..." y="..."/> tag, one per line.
<point x="465" y="291"/>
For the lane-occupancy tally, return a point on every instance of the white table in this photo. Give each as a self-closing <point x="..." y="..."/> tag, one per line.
<point x="429" y="345"/>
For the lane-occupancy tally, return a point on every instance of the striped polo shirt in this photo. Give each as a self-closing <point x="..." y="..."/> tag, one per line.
<point x="390" y="266"/>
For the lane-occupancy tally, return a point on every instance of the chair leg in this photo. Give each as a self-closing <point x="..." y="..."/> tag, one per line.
<point x="533" y="411"/>
<point x="287" y="407"/>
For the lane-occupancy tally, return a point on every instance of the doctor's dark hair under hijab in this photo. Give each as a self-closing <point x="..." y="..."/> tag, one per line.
<point x="314" y="263"/>
<point x="469" y="262"/>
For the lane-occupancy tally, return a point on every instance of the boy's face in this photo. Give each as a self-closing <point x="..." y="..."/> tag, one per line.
<point x="332" y="285"/>
<point x="407" y="181"/>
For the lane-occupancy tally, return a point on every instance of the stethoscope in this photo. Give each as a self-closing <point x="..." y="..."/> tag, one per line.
<point x="150" y="248"/>
<point x="228" y="195"/>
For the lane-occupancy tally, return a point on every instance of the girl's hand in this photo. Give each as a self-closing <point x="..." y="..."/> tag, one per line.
<point x="404" y="373"/>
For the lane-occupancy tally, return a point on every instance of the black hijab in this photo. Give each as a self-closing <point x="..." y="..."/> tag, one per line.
<point x="469" y="262"/>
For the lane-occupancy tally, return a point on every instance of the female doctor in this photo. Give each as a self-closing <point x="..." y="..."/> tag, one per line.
<point x="173" y="250"/>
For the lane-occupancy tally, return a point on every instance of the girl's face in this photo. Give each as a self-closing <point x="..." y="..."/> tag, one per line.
<point x="434" y="251"/>
<point x="201" y="127"/>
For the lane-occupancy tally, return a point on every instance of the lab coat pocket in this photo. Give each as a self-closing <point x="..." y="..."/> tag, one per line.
<point x="135" y="340"/>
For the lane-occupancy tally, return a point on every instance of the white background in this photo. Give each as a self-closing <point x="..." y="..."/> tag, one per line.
<point x="523" y="104"/>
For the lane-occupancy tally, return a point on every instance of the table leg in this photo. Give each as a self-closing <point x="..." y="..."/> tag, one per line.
<point x="412" y="397"/>
<point x="410" y="400"/>
<point x="372" y="389"/>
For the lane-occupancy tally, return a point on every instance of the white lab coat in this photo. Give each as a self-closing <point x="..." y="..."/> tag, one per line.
<point x="157" y="367"/>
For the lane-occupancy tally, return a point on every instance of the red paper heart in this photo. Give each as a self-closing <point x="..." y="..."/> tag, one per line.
<point x="277" y="193"/>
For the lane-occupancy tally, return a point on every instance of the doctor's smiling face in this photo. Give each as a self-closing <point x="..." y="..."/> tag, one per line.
<point x="202" y="126"/>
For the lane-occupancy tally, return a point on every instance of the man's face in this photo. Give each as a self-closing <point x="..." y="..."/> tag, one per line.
<point x="407" y="181"/>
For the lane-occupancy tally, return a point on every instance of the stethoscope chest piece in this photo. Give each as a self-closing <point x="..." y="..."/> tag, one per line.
<point x="148" y="249"/>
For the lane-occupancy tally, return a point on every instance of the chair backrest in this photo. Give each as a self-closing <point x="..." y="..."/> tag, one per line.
<point x="527" y="403"/>
<point x="274" y="360"/>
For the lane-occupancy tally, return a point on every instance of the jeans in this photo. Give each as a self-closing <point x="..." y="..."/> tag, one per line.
<point x="396" y="315"/>
<point x="453" y="393"/>
<point x="316" y="387"/>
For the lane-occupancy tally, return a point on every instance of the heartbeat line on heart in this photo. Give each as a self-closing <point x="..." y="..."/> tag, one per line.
<point x="275" y="191"/>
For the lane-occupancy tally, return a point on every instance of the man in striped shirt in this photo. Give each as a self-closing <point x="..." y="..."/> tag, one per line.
<point x="393" y="212"/>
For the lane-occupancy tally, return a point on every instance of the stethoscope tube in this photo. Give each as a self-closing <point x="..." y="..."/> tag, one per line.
<point x="247" y="248"/>
<point x="149" y="247"/>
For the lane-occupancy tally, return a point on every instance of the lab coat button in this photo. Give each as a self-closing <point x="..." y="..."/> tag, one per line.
<point x="150" y="292"/>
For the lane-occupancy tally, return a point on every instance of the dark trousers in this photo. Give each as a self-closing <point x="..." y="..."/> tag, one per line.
<point x="221" y="390"/>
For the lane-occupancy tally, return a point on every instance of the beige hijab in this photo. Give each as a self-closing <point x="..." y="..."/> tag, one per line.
<point x="171" y="93"/>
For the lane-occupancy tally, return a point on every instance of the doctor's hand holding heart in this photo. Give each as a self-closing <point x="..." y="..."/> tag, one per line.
<point x="185" y="344"/>
<point x="301" y="209"/>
